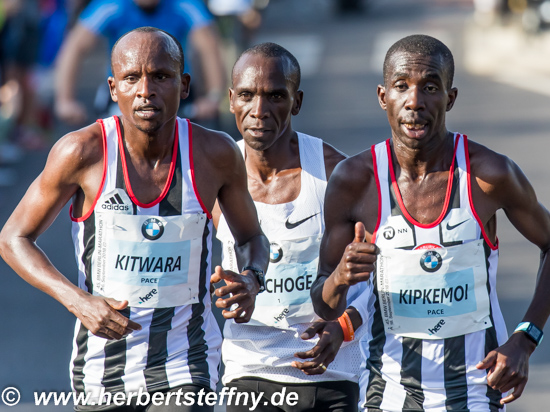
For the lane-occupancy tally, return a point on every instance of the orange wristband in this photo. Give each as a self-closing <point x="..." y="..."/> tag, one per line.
<point x="347" y="327"/>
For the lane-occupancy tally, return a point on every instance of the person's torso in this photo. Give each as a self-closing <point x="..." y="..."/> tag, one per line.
<point x="157" y="257"/>
<point x="265" y="346"/>
<point x="434" y="311"/>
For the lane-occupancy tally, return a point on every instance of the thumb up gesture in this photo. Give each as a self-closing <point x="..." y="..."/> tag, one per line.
<point x="357" y="263"/>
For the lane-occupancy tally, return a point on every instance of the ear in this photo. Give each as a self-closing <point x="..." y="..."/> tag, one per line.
<point x="297" y="105"/>
<point x="231" y="107"/>
<point x="185" y="85"/>
<point x="112" y="89"/>
<point x="381" y="91"/>
<point x="452" y="94"/>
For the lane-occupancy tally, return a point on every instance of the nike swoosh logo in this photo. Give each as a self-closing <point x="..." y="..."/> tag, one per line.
<point x="451" y="227"/>
<point x="289" y="225"/>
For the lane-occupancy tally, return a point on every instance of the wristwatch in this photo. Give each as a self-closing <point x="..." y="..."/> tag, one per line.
<point x="532" y="331"/>
<point x="259" y="274"/>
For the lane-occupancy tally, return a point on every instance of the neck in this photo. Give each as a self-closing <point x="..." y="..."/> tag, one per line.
<point x="152" y="146"/>
<point x="418" y="161"/>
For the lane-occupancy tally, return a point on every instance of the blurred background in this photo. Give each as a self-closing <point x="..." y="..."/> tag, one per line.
<point x="53" y="70"/>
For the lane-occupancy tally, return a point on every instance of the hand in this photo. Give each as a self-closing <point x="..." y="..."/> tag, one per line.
<point x="243" y="289"/>
<point x="101" y="317"/>
<point x="508" y="366"/>
<point x="70" y="111"/>
<point x="331" y="338"/>
<point x="357" y="263"/>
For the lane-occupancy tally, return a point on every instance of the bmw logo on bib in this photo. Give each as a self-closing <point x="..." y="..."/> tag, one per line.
<point x="431" y="261"/>
<point x="152" y="229"/>
<point x="275" y="253"/>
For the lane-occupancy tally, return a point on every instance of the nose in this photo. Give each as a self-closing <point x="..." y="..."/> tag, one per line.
<point x="145" y="88"/>
<point x="259" y="107"/>
<point x="415" y="99"/>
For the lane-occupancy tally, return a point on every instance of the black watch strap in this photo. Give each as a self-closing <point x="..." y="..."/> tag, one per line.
<point x="259" y="274"/>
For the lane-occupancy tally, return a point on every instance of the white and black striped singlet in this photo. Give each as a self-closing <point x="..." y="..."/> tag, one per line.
<point x="404" y="373"/>
<point x="139" y="252"/>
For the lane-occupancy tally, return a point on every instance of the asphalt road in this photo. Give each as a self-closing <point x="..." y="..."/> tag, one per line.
<point x="341" y="58"/>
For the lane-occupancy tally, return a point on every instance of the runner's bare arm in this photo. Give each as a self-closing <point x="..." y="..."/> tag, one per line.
<point x="330" y="332"/>
<point x="345" y="258"/>
<point x="505" y="185"/>
<point x="251" y="246"/>
<point x="73" y="163"/>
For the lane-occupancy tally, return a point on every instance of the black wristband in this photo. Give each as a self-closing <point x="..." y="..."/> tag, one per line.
<point x="259" y="274"/>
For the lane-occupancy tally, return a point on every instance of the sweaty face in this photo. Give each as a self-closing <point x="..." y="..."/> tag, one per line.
<point x="416" y="97"/>
<point x="147" y="83"/>
<point x="263" y="99"/>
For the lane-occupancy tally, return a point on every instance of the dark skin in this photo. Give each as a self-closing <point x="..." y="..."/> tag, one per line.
<point x="264" y="101"/>
<point x="147" y="85"/>
<point x="416" y="97"/>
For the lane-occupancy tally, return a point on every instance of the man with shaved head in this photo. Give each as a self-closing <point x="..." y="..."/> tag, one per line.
<point x="279" y="350"/>
<point x="142" y="188"/>
<point x="414" y="218"/>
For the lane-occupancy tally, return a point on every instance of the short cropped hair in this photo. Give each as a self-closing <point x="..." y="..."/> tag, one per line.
<point x="274" y="50"/>
<point x="424" y="45"/>
<point x="149" y="29"/>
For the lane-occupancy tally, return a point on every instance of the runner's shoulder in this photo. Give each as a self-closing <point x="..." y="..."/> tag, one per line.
<point x="79" y="149"/>
<point x="215" y="146"/>
<point x="354" y="172"/>
<point x="488" y="166"/>
<point x="332" y="157"/>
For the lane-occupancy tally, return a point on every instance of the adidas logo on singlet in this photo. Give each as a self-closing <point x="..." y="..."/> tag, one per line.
<point x="115" y="203"/>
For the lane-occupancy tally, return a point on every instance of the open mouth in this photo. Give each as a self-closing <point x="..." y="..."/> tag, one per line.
<point x="415" y="130"/>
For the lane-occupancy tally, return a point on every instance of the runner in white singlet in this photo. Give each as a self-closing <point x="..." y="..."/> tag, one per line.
<point x="287" y="175"/>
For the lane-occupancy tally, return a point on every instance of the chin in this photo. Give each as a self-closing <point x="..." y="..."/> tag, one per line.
<point x="148" y="128"/>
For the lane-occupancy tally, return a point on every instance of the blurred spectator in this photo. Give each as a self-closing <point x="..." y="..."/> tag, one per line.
<point x="19" y="51"/>
<point x="490" y="11"/>
<point x="238" y="20"/>
<point x="10" y="108"/>
<point x="188" y="20"/>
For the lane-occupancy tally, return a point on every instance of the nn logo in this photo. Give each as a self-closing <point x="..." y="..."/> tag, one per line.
<point x="115" y="202"/>
<point x="147" y="297"/>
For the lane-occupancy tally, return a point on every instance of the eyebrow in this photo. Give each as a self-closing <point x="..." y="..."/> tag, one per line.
<point x="428" y="75"/>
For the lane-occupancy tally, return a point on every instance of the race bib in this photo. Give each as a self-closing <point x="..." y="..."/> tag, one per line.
<point x="292" y="270"/>
<point x="435" y="293"/>
<point x="151" y="261"/>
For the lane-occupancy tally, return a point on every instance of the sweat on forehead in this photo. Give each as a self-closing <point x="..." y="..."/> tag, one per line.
<point x="169" y="43"/>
